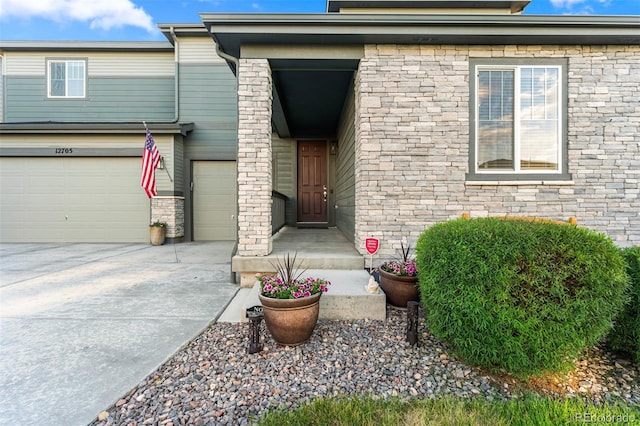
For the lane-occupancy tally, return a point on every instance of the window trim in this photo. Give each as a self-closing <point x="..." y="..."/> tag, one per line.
<point x="66" y="61"/>
<point x="479" y="63"/>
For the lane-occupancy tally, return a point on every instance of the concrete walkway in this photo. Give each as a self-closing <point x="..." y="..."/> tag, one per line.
<point x="82" y="324"/>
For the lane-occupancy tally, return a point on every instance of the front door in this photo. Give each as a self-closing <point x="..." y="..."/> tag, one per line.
<point x="312" y="181"/>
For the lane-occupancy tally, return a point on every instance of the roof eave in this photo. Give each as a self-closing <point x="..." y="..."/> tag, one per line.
<point x="230" y="31"/>
<point x="86" y="46"/>
<point x="515" y="6"/>
<point x="183" y="30"/>
<point x="95" y="128"/>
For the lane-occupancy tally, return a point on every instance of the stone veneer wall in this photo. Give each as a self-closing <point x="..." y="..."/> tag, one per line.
<point x="170" y="210"/>
<point x="254" y="157"/>
<point x="412" y="143"/>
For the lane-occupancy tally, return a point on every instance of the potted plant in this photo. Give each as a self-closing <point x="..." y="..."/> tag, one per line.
<point x="157" y="232"/>
<point x="399" y="279"/>
<point x="290" y="303"/>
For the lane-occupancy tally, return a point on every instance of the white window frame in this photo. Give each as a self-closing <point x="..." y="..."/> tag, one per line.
<point x="66" y="62"/>
<point x="516" y="65"/>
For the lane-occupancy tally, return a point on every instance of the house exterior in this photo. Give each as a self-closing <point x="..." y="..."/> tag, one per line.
<point x="383" y="117"/>
<point x="72" y="134"/>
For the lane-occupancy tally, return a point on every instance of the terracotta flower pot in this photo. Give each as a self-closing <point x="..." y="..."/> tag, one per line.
<point x="291" y="321"/>
<point x="399" y="290"/>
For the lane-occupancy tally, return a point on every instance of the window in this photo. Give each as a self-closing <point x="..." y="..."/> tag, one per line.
<point x="66" y="79"/>
<point x="518" y="120"/>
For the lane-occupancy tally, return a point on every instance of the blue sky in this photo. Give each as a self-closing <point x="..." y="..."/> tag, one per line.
<point x="137" y="19"/>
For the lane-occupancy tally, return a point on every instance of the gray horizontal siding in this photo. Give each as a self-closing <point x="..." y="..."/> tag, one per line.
<point x="208" y="98"/>
<point x="108" y="99"/>
<point x="345" y="171"/>
<point x="284" y="175"/>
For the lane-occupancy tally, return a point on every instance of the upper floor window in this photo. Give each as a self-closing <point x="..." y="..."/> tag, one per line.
<point x="66" y="78"/>
<point x="518" y="119"/>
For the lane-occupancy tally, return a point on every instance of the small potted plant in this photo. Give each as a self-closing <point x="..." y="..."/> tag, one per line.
<point x="157" y="232"/>
<point x="290" y="303"/>
<point x="399" y="279"/>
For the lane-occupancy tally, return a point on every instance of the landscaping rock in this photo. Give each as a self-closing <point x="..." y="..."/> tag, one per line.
<point x="213" y="380"/>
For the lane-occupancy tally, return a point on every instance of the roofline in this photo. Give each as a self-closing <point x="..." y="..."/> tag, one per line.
<point x="95" y="128"/>
<point x="183" y="30"/>
<point x="232" y="30"/>
<point x="86" y="46"/>
<point x="411" y="18"/>
<point x="515" y="6"/>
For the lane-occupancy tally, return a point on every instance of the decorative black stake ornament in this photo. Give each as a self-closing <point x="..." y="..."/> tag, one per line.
<point x="412" y="322"/>
<point x="255" y="316"/>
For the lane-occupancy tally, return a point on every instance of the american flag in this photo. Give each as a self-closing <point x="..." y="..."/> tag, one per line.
<point x="150" y="160"/>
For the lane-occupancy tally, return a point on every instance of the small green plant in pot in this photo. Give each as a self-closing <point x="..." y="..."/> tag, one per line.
<point x="157" y="232"/>
<point x="399" y="279"/>
<point x="290" y="302"/>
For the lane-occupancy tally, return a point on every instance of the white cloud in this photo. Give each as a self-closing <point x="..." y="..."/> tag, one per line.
<point x="99" y="14"/>
<point x="569" y="4"/>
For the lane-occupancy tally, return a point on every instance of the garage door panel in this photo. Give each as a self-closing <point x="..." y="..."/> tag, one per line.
<point x="214" y="200"/>
<point x="72" y="200"/>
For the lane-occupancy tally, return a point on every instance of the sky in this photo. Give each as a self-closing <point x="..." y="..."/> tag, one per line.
<point x="136" y="20"/>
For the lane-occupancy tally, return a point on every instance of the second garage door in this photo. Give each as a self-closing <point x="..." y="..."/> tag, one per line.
<point x="214" y="200"/>
<point x="72" y="200"/>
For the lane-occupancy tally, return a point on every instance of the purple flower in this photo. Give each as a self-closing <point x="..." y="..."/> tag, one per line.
<point x="403" y="269"/>
<point x="276" y="287"/>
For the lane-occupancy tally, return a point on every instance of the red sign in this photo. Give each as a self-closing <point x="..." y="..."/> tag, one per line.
<point x="371" y="244"/>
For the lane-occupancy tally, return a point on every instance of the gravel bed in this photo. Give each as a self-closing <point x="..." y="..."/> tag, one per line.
<point x="214" y="381"/>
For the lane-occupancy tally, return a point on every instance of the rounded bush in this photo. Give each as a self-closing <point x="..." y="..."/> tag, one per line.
<point x="625" y="335"/>
<point x="524" y="296"/>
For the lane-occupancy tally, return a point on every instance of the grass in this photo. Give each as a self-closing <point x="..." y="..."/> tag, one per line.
<point x="450" y="411"/>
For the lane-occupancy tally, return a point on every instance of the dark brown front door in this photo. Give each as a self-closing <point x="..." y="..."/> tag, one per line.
<point x="312" y="181"/>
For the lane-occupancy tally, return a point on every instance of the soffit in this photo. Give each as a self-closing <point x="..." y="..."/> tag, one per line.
<point x="310" y="95"/>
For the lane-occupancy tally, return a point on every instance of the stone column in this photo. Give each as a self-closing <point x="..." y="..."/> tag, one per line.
<point x="254" y="157"/>
<point x="170" y="210"/>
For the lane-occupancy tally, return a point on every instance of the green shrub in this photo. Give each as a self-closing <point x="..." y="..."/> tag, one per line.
<point x="625" y="336"/>
<point x="522" y="296"/>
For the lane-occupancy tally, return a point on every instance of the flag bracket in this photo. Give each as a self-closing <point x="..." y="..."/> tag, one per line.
<point x="165" y="169"/>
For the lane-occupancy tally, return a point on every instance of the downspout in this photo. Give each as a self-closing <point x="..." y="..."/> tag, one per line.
<point x="176" y="89"/>
<point x="236" y="62"/>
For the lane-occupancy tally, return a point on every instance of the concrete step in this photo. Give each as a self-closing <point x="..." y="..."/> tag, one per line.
<point x="346" y="299"/>
<point x="318" y="260"/>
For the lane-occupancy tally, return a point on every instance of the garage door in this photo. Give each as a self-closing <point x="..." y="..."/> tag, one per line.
<point x="214" y="200"/>
<point x="72" y="200"/>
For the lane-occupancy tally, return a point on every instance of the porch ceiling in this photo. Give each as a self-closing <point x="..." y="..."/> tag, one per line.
<point x="309" y="96"/>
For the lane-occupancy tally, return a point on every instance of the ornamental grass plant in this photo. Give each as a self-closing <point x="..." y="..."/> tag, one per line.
<point x="523" y="296"/>
<point x="405" y="266"/>
<point x="288" y="283"/>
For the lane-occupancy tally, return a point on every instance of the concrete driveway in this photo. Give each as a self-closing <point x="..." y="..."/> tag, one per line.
<point x="82" y="324"/>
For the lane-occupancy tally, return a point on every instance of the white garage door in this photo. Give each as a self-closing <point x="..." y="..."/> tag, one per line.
<point x="214" y="200"/>
<point x="72" y="200"/>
